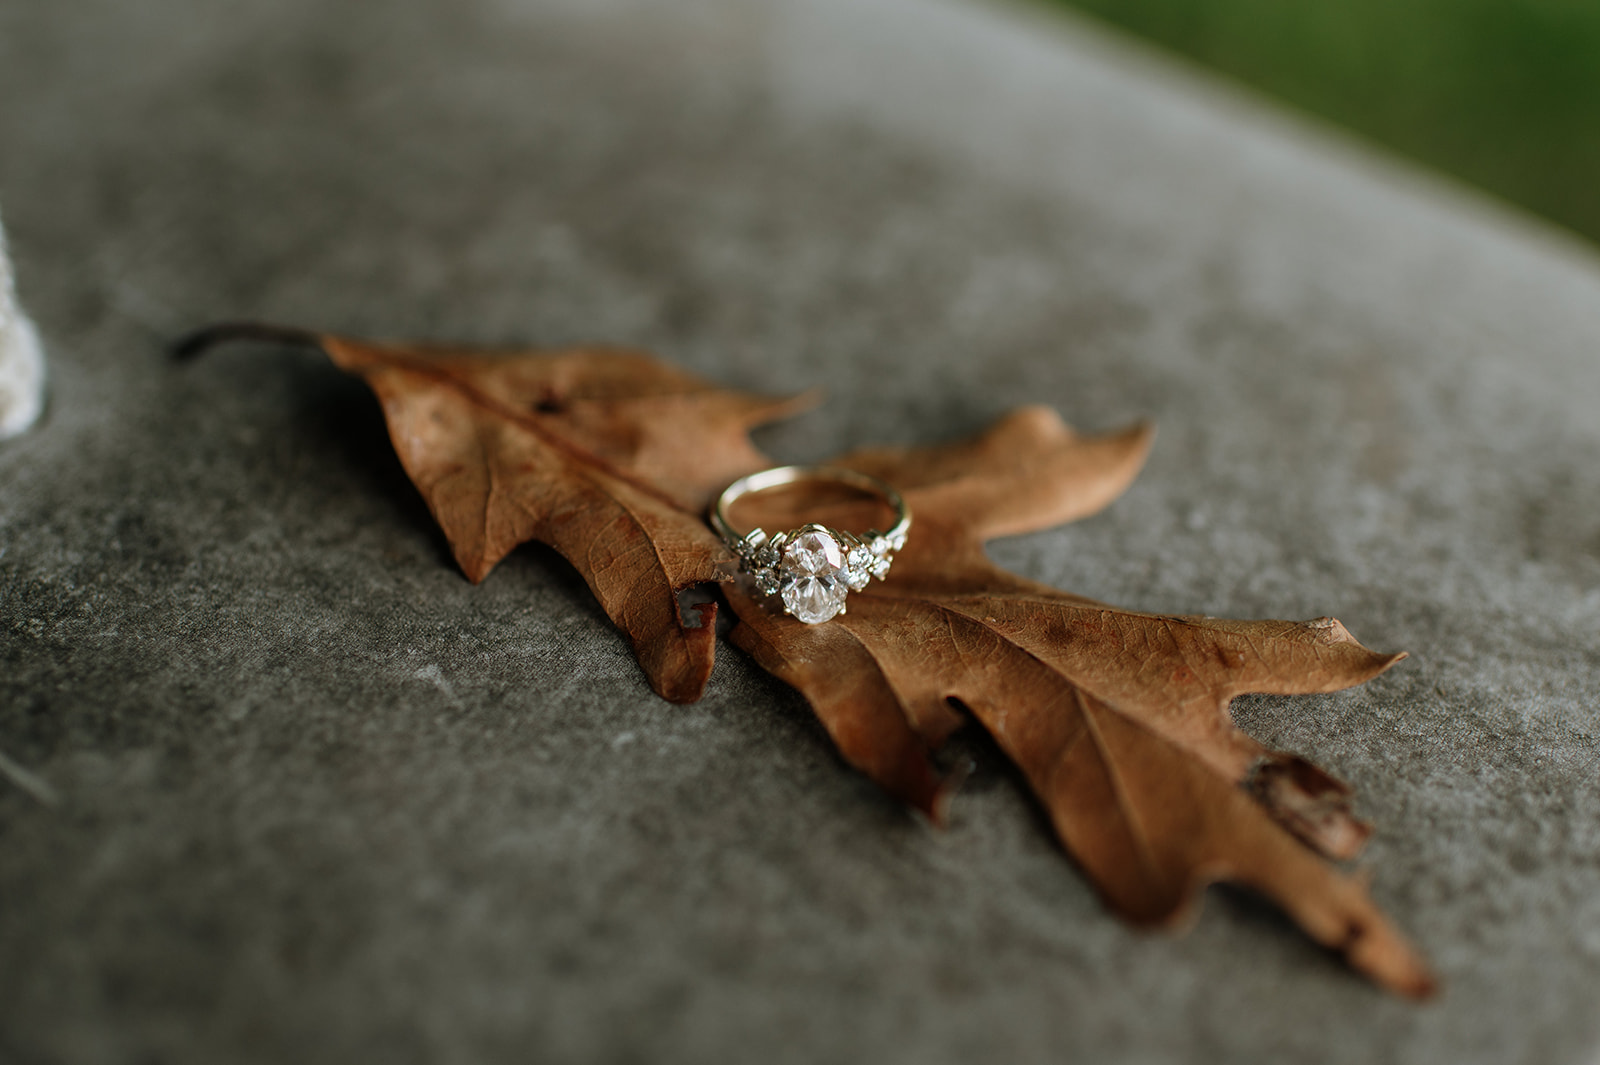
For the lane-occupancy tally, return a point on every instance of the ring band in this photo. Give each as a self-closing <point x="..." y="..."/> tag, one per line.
<point x="813" y="568"/>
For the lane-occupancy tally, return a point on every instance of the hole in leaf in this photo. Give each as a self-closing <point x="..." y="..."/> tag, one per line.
<point x="697" y="605"/>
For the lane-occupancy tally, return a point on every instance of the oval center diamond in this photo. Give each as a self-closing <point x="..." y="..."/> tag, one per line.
<point x="814" y="585"/>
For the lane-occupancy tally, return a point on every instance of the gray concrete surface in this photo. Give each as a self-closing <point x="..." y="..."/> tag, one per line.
<point x="316" y="799"/>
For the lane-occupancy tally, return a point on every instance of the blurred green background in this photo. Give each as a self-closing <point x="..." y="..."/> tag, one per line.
<point x="1504" y="94"/>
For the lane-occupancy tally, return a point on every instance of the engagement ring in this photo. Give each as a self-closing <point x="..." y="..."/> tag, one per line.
<point x="813" y="567"/>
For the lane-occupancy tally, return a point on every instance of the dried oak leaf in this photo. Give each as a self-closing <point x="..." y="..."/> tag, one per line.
<point x="1118" y="719"/>
<point x="610" y="457"/>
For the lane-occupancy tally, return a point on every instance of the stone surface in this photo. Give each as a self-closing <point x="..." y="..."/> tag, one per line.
<point x="319" y="799"/>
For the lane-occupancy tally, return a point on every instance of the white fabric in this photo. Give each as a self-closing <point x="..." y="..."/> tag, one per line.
<point x="21" y="358"/>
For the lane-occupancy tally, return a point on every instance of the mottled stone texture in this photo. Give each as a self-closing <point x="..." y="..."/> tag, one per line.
<point x="320" y="800"/>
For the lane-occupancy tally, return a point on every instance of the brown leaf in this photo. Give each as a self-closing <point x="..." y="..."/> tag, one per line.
<point x="610" y="457"/>
<point x="1118" y="719"/>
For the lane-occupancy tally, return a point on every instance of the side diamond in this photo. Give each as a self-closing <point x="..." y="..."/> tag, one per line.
<point x="858" y="568"/>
